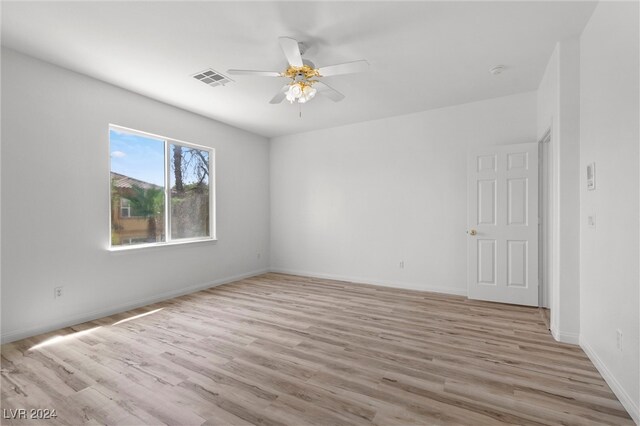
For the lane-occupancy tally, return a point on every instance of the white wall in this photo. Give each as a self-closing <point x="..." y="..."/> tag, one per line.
<point x="558" y="109"/>
<point x="55" y="200"/>
<point x="352" y="202"/>
<point x="609" y="133"/>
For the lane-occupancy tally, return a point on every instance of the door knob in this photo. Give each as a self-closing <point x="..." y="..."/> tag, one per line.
<point x="473" y="232"/>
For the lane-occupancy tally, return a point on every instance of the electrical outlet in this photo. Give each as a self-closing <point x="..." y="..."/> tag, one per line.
<point x="619" y="339"/>
<point x="402" y="264"/>
<point x="57" y="292"/>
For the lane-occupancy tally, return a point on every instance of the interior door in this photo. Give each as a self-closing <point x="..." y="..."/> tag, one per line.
<point x="502" y="203"/>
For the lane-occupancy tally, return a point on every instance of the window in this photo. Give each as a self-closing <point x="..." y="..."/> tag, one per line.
<point x="160" y="190"/>
<point x="125" y="207"/>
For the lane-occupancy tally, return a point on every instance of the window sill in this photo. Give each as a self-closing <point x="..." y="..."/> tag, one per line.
<point x="154" y="246"/>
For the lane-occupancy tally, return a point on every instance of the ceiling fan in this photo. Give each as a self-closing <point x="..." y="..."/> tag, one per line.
<point x="304" y="75"/>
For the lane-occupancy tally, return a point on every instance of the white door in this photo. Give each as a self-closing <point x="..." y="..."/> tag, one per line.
<point x="502" y="221"/>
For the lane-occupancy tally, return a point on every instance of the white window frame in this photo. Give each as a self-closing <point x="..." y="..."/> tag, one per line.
<point x="167" y="192"/>
<point x="129" y="241"/>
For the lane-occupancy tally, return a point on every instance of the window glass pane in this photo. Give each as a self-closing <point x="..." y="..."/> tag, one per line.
<point x="189" y="182"/>
<point x="137" y="175"/>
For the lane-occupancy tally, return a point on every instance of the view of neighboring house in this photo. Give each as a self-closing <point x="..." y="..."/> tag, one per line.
<point x="129" y="223"/>
<point x="137" y="211"/>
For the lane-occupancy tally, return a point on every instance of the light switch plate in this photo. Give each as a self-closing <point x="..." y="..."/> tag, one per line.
<point x="591" y="176"/>
<point x="591" y="221"/>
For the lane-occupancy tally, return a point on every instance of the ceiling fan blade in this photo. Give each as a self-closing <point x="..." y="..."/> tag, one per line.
<point x="328" y="91"/>
<point x="279" y="97"/>
<point x="291" y="51"/>
<point x="254" y="72"/>
<point x="346" y="68"/>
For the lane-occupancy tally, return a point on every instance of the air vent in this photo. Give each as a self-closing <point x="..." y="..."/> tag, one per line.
<point x="212" y="78"/>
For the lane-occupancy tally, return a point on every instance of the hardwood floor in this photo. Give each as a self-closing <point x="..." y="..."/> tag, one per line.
<point x="287" y="350"/>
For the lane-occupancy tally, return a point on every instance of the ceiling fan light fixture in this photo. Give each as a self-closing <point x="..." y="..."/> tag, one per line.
<point x="309" y="92"/>
<point x="301" y="92"/>
<point x="296" y="90"/>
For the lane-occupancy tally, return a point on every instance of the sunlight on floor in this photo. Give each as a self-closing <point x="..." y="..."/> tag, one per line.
<point x="137" y="316"/>
<point x="66" y="337"/>
<point x="58" y="339"/>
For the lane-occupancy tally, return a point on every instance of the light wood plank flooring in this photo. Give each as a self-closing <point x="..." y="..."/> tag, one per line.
<point x="287" y="350"/>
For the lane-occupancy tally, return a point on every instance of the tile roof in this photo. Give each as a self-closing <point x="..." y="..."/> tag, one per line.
<point x="122" y="181"/>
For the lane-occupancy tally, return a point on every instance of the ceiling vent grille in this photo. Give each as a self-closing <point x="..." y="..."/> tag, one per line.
<point x="212" y="78"/>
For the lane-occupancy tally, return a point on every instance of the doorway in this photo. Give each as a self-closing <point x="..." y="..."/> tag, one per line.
<point x="544" y="224"/>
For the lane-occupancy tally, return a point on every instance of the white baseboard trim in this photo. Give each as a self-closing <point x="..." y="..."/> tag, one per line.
<point x="90" y="316"/>
<point x="565" y="337"/>
<point x="627" y="402"/>
<point x="382" y="283"/>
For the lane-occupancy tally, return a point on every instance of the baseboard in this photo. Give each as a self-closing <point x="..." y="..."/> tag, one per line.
<point x="564" y="337"/>
<point x="90" y="316"/>
<point x="382" y="283"/>
<point x="628" y="403"/>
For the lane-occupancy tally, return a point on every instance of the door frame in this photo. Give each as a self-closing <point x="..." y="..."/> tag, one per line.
<point x="545" y="218"/>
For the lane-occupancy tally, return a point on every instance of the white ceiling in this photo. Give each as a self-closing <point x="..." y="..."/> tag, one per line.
<point x="423" y="55"/>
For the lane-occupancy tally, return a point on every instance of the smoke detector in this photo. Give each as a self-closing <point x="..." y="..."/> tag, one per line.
<point x="497" y="69"/>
